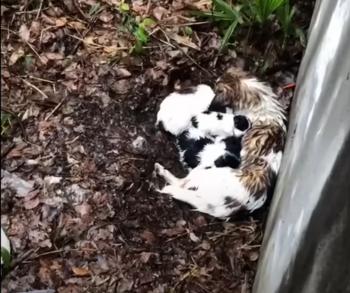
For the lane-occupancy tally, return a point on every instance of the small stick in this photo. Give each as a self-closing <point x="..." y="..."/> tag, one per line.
<point x="35" y="87"/>
<point x="39" y="10"/>
<point x="188" y="56"/>
<point x="55" y="109"/>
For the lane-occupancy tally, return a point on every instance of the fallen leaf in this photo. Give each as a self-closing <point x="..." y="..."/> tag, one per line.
<point x="31" y="204"/>
<point x="81" y="272"/>
<point x="61" y="21"/>
<point x="184" y="40"/>
<point x="35" y="29"/>
<point x="193" y="237"/>
<point x="49" y="180"/>
<point x="11" y="180"/>
<point x="253" y="256"/>
<point x="159" y="12"/>
<point x="24" y="33"/>
<point x="148" y="236"/>
<point x="16" y="55"/>
<point x="54" y="56"/>
<point x="77" y="25"/>
<point x="145" y="256"/>
<point x="125" y="285"/>
<point x="105" y="16"/>
<point x="83" y="209"/>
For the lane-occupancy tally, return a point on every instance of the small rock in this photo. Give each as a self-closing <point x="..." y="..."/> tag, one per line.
<point x="139" y="145"/>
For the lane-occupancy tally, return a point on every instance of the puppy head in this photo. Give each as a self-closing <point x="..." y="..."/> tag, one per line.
<point x="228" y="87"/>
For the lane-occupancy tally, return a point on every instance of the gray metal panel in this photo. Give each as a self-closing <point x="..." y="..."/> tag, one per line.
<point x="306" y="248"/>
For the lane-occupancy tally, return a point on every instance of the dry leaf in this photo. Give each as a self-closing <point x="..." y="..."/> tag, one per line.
<point x="16" y="55"/>
<point x="184" y="40"/>
<point x="24" y="33"/>
<point x="62" y="21"/>
<point x="145" y="256"/>
<point x="31" y="204"/>
<point x="148" y="236"/>
<point x="54" y="56"/>
<point x="159" y="12"/>
<point x="193" y="237"/>
<point x="35" y="28"/>
<point x="77" y="25"/>
<point x="253" y="256"/>
<point x="81" y="272"/>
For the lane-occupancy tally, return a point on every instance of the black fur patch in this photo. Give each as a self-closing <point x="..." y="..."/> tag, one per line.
<point x="233" y="145"/>
<point x="194" y="148"/>
<point x="183" y="141"/>
<point x="217" y="107"/>
<point x="206" y="112"/>
<point x="241" y="122"/>
<point x="194" y="122"/>
<point x="160" y="126"/>
<point x="187" y="90"/>
<point x="219" y="116"/>
<point x="227" y="160"/>
<point x="231" y="203"/>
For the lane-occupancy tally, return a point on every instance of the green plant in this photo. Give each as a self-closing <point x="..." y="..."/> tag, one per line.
<point x="6" y="123"/>
<point x="285" y="15"/>
<point x="249" y="12"/>
<point x="140" y="30"/>
<point x="264" y="9"/>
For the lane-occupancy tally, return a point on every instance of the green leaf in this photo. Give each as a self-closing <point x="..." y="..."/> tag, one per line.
<point x="124" y="7"/>
<point x="301" y="35"/>
<point x="147" y="23"/>
<point x="229" y="32"/>
<point x="188" y="30"/>
<point x="141" y="35"/>
<point x="265" y="8"/>
<point x="217" y="16"/>
<point x="228" y="10"/>
<point x="5" y="257"/>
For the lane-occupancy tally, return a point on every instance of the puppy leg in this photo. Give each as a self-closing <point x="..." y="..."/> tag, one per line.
<point x="164" y="173"/>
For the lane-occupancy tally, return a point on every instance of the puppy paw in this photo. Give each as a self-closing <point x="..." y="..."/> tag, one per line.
<point x="158" y="169"/>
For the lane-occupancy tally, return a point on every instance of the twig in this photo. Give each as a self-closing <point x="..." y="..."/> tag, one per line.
<point x="81" y="12"/>
<point x="39" y="10"/>
<point x="188" y="56"/>
<point x="186" y="24"/>
<point x="56" y="108"/>
<point x="28" y="44"/>
<point x="23" y="257"/>
<point x="59" y="251"/>
<point x="41" y="79"/>
<point x="35" y="52"/>
<point x="35" y="87"/>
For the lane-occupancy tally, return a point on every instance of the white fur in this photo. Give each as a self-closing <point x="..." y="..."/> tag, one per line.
<point x="269" y="109"/>
<point x="213" y="186"/>
<point x="210" y="125"/>
<point x="5" y="243"/>
<point x="177" y="109"/>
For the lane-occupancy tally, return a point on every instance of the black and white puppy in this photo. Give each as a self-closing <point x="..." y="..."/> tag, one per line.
<point x="214" y="139"/>
<point x="204" y="138"/>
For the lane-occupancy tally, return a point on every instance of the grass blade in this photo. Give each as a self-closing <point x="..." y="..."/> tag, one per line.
<point x="228" y="35"/>
<point x="228" y="10"/>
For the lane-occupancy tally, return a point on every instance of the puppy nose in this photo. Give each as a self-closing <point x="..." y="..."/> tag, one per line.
<point x="241" y="122"/>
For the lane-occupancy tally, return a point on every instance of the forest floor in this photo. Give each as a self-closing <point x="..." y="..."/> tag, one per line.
<point x="77" y="198"/>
